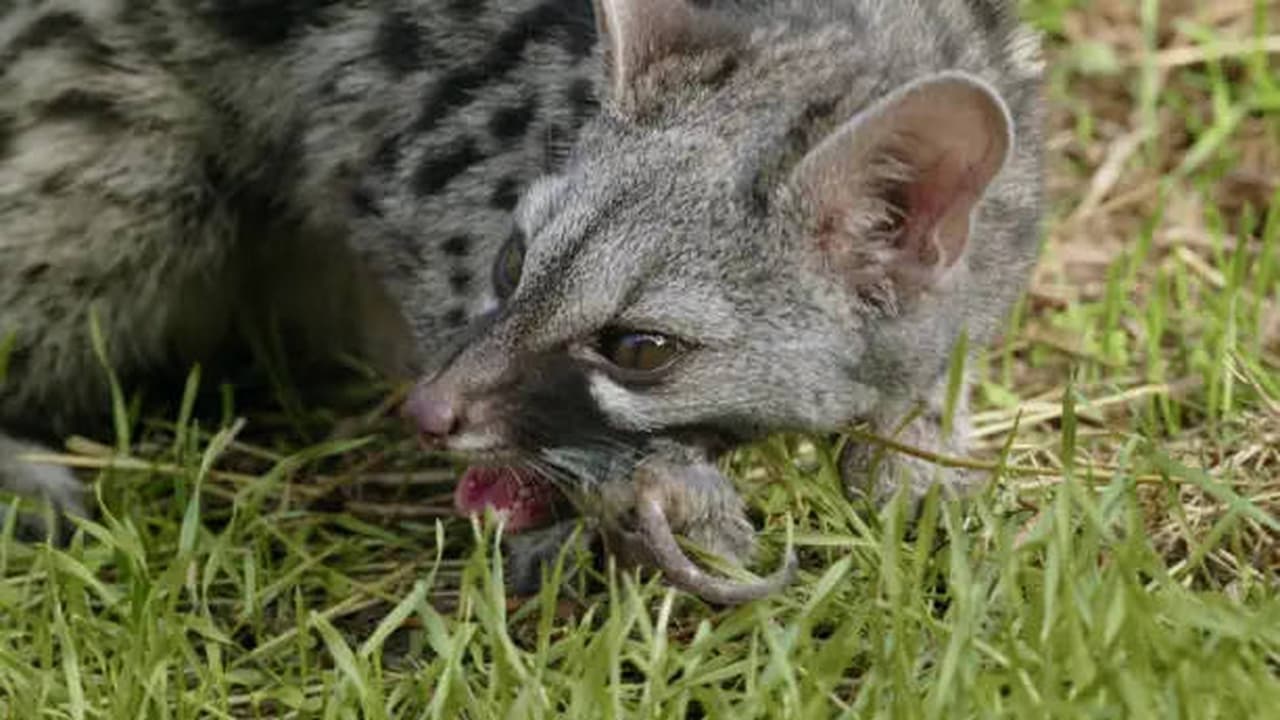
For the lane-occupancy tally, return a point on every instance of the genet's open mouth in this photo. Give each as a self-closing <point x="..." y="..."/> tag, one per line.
<point x="526" y="499"/>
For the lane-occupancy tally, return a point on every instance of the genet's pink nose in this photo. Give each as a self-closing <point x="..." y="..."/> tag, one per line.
<point x="433" y="409"/>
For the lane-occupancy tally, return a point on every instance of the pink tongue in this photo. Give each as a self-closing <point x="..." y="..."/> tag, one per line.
<point x="525" y="498"/>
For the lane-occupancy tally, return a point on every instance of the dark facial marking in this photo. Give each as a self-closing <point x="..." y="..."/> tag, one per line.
<point x="399" y="44"/>
<point x="568" y="20"/>
<point x="510" y="123"/>
<point x="551" y="406"/>
<point x="441" y="167"/>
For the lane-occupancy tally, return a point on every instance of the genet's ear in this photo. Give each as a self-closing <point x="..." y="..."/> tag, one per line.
<point x="638" y="33"/>
<point x="892" y="191"/>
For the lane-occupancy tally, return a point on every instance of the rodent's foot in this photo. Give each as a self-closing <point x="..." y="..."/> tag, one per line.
<point x="640" y="516"/>
<point x="698" y="501"/>
<point x="705" y="508"/>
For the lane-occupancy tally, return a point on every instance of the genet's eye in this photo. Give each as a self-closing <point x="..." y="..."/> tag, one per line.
<point x="640" y="352"/>
<point x="507" y="266"/>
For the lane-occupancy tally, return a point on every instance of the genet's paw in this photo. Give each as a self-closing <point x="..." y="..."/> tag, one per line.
<point x="46" y="494"/>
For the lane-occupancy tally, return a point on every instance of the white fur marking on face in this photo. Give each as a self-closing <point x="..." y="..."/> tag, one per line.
<point x="621" y="405"/>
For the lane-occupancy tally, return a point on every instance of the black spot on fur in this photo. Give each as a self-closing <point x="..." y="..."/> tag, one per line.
<point x="722" y="72"/>
<point x="510" y="123"/>
<point x="399" y="44"/>
<point x="456" y="317"/>
<point x="370" y="119"/>
<point x="33" y="273"/>
<point x="387" y="155"/>
<point x="84" y="105"/>
<point x="460" y="281"/>
<point x="992" y="18"/>
<point x="6" y="134"/>
<point x="63" y="27"/>
<point x="47" y="30"/>
<point x="465" y="9"/>
<point x="263" y="23"/>
<point x="363" y="202"/>
<point x="456" y="246"/>
<point x="159" y="44"/>
<point x="581" y="98"/>
<point x="441" y="167"/>
<point x="55" y="183"/>
<point x="506" y="193"/>
<point x="202" y="205"/>
<point x="568" y="21"/>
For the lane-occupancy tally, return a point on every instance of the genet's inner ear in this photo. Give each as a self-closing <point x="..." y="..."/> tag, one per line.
<point x="638" y="33"/>
<point x="894" y="188"/>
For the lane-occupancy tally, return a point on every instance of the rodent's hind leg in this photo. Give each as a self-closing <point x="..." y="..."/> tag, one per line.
<point x="636" y="516"/>
<point x="698" y="501"/>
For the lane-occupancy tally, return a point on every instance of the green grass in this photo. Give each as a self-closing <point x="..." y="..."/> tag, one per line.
<point x="1124" y="563"/>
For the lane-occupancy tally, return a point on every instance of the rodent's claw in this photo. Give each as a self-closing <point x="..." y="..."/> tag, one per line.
<point x="655" y="531"/>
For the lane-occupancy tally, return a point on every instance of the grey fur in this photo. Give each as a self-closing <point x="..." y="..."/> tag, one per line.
<point x="342" y="172"/>
<point x="347" y="172"/>
<point x="702" y="205"/>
